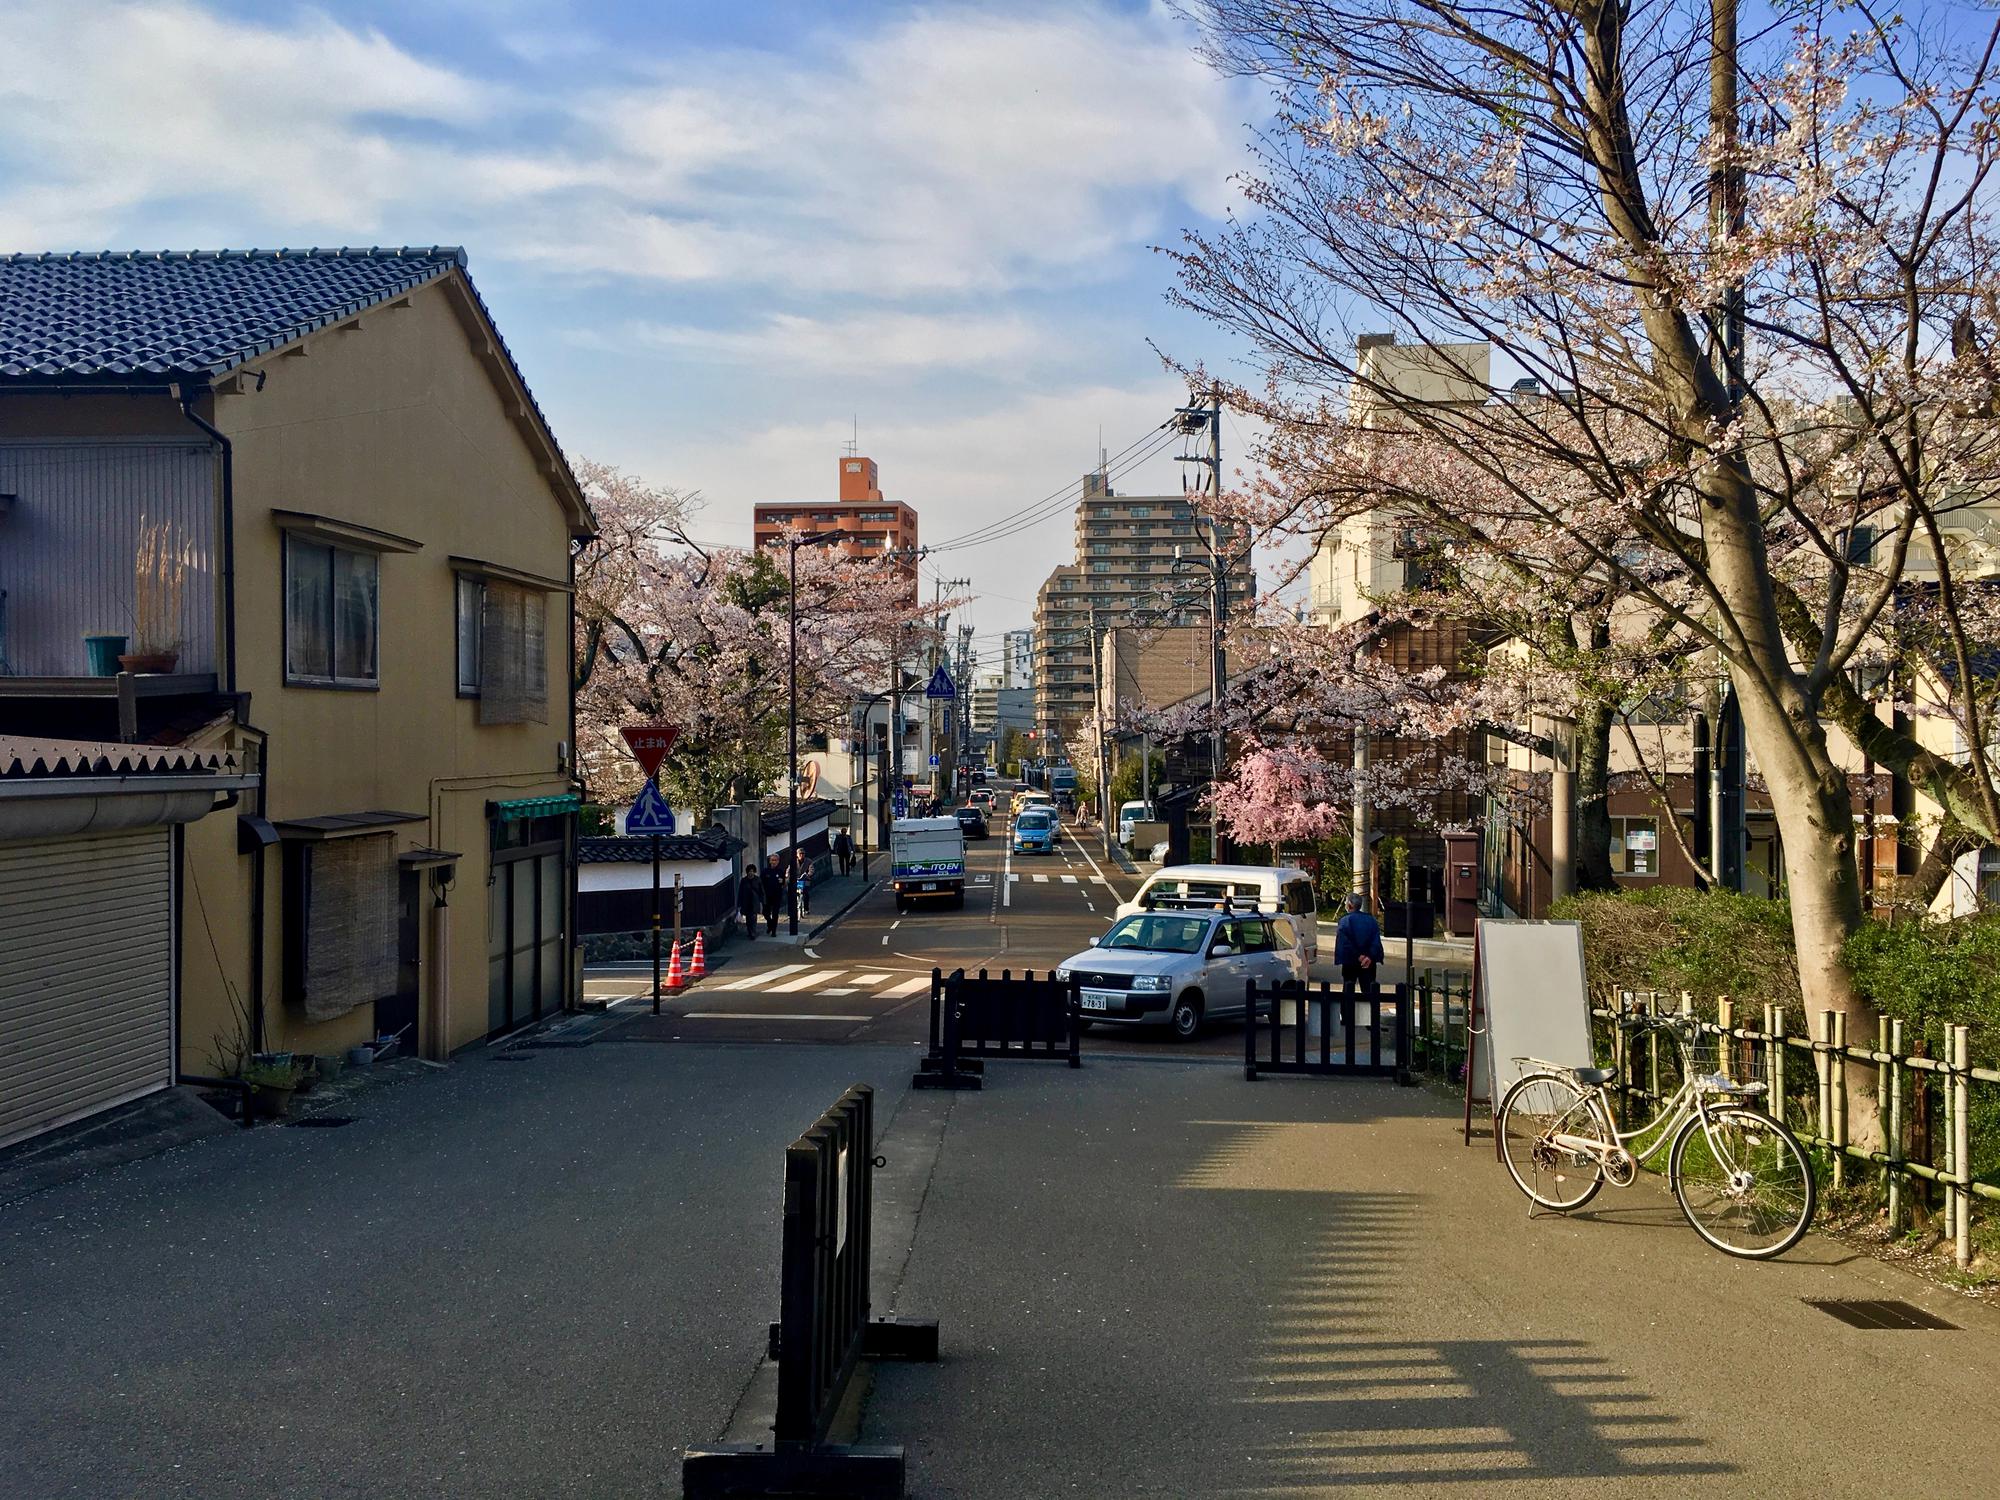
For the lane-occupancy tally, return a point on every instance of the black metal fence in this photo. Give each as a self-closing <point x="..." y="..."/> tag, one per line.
<point x="974" y="1017"/>
<point x="1375" y="1020"/>
<point x="824" y="1329"/>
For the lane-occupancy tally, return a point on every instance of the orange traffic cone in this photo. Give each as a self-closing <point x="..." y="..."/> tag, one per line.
<point x="698" y="969"/>
<point x="675" y="979"/>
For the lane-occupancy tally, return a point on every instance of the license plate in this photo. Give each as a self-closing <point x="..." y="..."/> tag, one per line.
<point x="930" y="885"/>
<point x="1096" y="1002"/>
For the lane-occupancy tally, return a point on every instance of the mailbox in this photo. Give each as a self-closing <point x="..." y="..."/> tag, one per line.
<point x="1461" y="883"/>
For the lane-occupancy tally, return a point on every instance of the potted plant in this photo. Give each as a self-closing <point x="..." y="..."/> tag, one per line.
<point x="1402" y="917"/>
<point x="158" y="577"/>
<point x="272" y="1085"/>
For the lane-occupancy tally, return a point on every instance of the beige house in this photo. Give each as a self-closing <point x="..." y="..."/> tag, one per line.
<point x="314" y="488"/>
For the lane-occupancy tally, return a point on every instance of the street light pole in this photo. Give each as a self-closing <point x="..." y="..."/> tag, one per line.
<point x="809" y="539"/>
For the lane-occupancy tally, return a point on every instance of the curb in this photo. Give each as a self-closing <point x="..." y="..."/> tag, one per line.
<point x="853" y="901"/>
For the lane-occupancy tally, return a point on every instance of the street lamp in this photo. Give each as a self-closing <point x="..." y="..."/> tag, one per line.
<point x="793" y="543"/>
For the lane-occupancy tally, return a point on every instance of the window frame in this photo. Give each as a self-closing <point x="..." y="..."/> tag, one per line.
<point x="1621" y="854"/>
<point x="460" y="582"/>
<point x="334" y="682"/>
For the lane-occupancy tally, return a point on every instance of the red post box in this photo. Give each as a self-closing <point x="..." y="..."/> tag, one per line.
<point x="1461" y="883"/>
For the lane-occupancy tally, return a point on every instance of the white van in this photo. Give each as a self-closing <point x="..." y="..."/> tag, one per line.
<point x="1264" y="888"/>
<point x="1131" y="813"/>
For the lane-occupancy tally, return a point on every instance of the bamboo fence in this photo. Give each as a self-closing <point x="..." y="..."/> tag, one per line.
<point x="1926" y="1102"/>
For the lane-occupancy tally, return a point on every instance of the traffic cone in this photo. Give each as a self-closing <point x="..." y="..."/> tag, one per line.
<point x="675" y="979"/>
<point x="698" y="969"/>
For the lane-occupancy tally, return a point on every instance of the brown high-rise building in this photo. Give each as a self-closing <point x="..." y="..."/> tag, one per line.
<point x="873" y="525"/>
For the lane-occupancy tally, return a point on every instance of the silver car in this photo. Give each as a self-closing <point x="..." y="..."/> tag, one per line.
<point x="1179" y="969"/>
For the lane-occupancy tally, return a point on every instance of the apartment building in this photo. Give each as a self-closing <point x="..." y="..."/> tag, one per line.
<point x="873" y="524"/>
<point x="1141" y="561"/>
<point x="1017" y="659"/>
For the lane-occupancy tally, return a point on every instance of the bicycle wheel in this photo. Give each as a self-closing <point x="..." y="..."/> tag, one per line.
<point x="1536" y="1108"/>
<point x="1743" y="1182"/>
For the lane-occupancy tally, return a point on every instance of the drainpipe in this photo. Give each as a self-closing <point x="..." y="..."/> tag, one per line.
<point x="186" y="396"/>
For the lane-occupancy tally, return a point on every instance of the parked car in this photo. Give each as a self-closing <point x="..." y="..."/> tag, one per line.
<point x="1267" y="889"/>
<point x="972" y="822"/>
<point x="1129" y="815"/>
<point x="1180" y="969"/>
<point x="1037" y="831"/>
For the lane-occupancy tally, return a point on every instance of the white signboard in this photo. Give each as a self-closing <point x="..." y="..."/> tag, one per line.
<point x="1533" y="1001"/>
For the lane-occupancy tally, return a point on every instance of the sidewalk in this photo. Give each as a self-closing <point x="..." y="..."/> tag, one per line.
<point x="1156" y="1279"/>
<point x="831" y="898"/>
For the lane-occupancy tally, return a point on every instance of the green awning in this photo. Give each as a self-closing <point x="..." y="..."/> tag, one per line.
<point x="535" y="807"/>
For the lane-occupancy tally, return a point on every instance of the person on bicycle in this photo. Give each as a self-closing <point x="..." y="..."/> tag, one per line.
<point x="1357" y="948"/>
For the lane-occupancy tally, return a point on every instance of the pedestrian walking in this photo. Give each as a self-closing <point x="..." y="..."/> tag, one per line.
<point x="804" y="886"/>
<point x="774" y="894"/>
<point x="1357" y="948"/>
<point x="843" y="850"/>
<point x="750" y="900"/>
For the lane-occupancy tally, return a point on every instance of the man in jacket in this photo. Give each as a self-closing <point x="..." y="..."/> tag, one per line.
<point x="843" y="850"/>
<point x="774" y="894"/>
<point x="750" y="899"/>
<point x="1357" y="948"/>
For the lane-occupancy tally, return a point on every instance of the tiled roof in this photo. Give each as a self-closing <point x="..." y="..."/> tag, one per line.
<point x="103" y="315"/>
<point x="777" y="812"/>
<point x="621" y="849"/>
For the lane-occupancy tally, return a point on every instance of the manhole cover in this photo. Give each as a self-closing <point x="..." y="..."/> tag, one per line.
<point x="1863" y="1313"/>
<point x="320" y="1122"/>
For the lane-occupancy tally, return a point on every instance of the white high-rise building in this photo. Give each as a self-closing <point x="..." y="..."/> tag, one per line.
<point x="1017" y="659"/>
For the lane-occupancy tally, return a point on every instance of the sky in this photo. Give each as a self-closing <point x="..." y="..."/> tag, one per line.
<point x="720" y="238"/>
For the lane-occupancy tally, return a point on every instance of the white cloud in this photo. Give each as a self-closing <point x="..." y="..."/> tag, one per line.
<point x="879" y="342"/>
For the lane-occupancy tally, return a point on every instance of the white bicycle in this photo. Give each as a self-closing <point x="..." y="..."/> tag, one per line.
<point x="1740" y="1176"/>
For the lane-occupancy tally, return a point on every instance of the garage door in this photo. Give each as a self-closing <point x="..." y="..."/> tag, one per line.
<point x="86" y="976"/>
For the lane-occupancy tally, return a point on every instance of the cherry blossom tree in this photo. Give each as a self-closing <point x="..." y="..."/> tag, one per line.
<point x="1754" y="279"/>
<point x="698" y="636"/>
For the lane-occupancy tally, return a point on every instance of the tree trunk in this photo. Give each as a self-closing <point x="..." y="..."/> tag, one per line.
<point x="1593" y="793"/>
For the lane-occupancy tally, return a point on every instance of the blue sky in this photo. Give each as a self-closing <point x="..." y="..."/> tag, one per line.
<point x="715" y="234"/>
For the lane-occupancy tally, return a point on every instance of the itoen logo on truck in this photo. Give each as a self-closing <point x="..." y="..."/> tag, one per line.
<point x="927" y="869"/>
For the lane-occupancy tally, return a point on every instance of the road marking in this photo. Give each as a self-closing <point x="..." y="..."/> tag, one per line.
<point x="1007" y="885"/>
<point x="1093" y="863"/>
<point x="1041" y="880"/>
<point x="907" y="987"/>
<point x="793" y="986"/>
<point x="756" y="1015"/>
<point x="811" y="953"/>
<point x="895" y="924"/>
<point x="885" y="940"/>
<point x="845" y="990"/>
<point x="871" y="978"/>
<point x="1067" y="880"/>
<point x="753" y="980"/>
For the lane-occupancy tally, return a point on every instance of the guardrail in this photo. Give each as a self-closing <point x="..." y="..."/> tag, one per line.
<point x="824" y="1329"/>
<point x="974" y="1017"/>
<point x="1328" y="1000"/>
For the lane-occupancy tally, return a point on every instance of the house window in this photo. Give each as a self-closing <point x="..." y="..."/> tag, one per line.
<point x="331" y="615"/>
<point x="471" y="607"/>
<point x="1635" y="846"/>
<point x="1141" y="510"/>
<point x="513" y="655"/>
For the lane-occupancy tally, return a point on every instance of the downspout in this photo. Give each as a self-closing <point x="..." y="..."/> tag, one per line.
<point x="186" y="396"/>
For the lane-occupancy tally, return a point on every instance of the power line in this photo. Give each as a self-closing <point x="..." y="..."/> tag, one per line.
<point x="1029" y="514"/>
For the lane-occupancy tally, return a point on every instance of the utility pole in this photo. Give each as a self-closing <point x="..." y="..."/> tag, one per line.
<point x="1097" y="733"/>
<point x="1196" y="416"/>
<point x="942" y="782"/>
<point x="1726" y="221"/>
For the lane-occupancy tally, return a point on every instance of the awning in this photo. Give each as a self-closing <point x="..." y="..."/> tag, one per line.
<point x="500" y="573"/>
<point x="533" y="807"/>
<point x="339" y="533"/>
<point x="342" y="825"/>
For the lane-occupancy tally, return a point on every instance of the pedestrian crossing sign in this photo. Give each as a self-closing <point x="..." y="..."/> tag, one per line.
<point x="650" y="813"/>
<point x="941" y="685"/>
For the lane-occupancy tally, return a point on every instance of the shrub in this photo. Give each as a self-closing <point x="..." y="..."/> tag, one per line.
<point x="1929" y="974"/>
<point x="1671" y="939"/>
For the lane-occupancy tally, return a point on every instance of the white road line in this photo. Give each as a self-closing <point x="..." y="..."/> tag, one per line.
<point x="871" y="978"/>
<point x="1041" y="880"/>
<point x="1069" y="880"/>
<point x="907" y="987"/>
<point x="895" y="924"/>
<point x="844" y="990"/>
<point x="1007" y="885"/>
<point x="793" y="986"/>
<point x="751" y="981"/>
<point x="811" y="954"/>
<point x="885" y="940"/>
<point x="758" y="1015"/>
<point x="1093" y="863"/>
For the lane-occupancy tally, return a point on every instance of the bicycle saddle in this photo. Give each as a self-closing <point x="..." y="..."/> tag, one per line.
<point x="1588" y="1076"/>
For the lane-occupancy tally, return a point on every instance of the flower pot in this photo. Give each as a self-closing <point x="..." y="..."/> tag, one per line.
<point x="103" y="652"/>
<point x="149" y="661"/>
<point x="271" y="1101"/>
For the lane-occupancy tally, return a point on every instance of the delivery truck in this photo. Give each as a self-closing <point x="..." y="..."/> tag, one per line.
<point x="927" y="861"/>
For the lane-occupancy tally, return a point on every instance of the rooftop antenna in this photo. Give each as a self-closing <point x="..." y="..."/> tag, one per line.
<point x="853" y="446"/>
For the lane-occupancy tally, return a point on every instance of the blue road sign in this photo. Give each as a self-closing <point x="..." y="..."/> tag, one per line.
<point x="934" y="760"/>
<point x="941" y="685"/>
<point x="901" y="805"/>
<point x="650" y="813"/>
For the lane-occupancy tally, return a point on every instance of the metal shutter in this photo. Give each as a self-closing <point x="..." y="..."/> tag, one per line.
<point x="86" y="976"/>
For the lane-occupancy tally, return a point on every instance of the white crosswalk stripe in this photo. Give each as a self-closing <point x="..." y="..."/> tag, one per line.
<point x="1041" y="880"/>
<point x="806" y="982"/>
<point x="870" y="978"/>
<point x="1069" y="880"/>
<point x="907" y="987"/>
<point x="751" y="981"/>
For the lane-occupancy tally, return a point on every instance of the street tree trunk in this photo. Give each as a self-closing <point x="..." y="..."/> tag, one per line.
<point x="1593" y="796"/>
